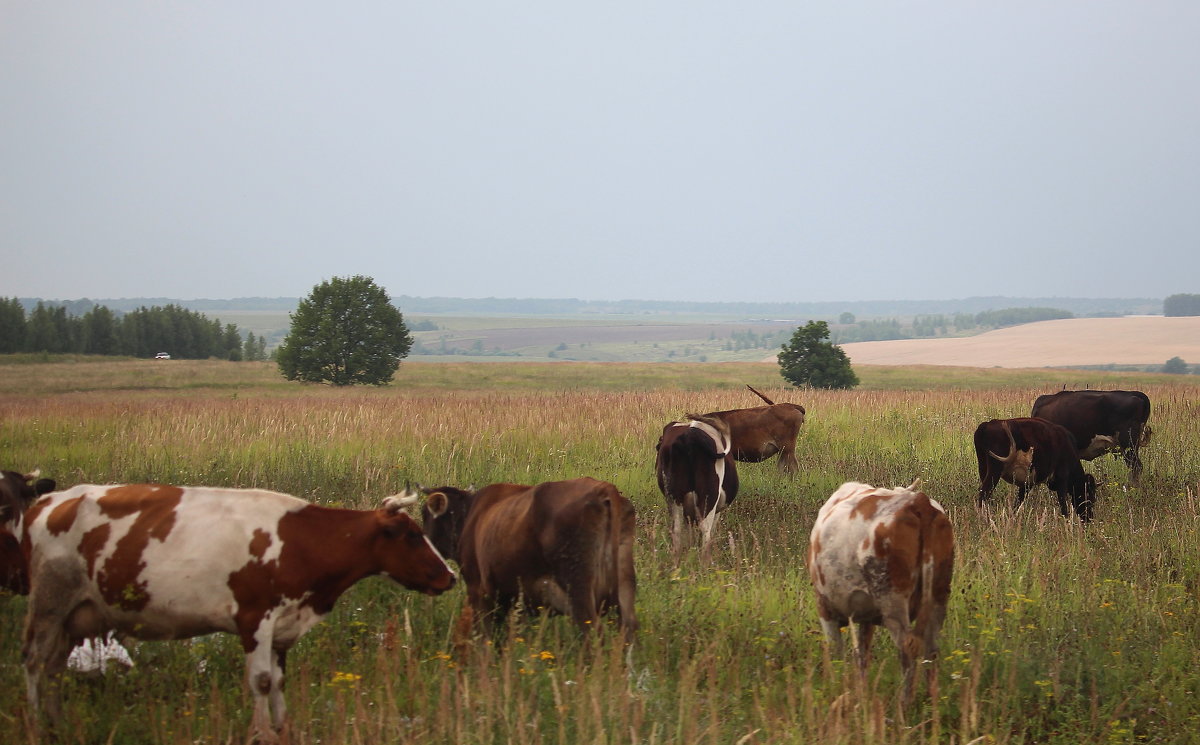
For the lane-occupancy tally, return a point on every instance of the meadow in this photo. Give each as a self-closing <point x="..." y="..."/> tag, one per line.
<point x="1056" y="633"/>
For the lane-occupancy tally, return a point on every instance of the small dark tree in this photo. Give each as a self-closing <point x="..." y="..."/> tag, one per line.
<point x="345" y="332"/>
<point x="811" y="360"/>
<point x="1181" y="305"/>
<point x="1175" y="366"/>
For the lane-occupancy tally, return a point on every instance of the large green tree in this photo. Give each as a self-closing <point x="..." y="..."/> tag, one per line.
<point x="345" y="332"/>
<point x="808" y="359"/>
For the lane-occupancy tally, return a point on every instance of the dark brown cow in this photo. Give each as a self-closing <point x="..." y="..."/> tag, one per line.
<point x="164" y="562"/>
<point x="696" y="474"/>
<point x="762" y="431"/>
<point x="16" y="495"/>
<point x="562" y="546"/>
<point x="1048" y="452"/>
<point x="1101" y="422"/>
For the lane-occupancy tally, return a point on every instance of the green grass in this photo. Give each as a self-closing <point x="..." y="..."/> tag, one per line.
<point x="1055" y="634"/>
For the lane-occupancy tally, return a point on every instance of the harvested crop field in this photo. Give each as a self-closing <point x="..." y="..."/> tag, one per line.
<point x="1134" y="340"/>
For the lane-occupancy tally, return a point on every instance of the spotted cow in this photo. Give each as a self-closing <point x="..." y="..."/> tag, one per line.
<point x="696" y="474"/>
<point x="562" y="546"/>
<point x="883" y="557"/>
<point x="161" y="562"/>
<point x="17" y="492"/>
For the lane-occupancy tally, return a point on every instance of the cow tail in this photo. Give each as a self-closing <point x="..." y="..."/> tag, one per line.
<point x="624" y="527"/>
<point x="764" y="398"/>
<point x="934" y="576"/>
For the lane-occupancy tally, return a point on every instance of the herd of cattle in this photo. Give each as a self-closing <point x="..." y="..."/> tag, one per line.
<point x="166" y="562"/>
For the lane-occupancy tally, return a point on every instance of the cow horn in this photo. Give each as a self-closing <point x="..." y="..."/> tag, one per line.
<point x="33" y="474"/>
<point x="917" y="484"/>
<point x="397" y="502"/>
<point x="1012" y="446"/>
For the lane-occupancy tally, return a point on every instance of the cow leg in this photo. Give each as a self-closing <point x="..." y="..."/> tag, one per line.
<point x="895" y="614"/>
<point x="676" y="511"/>
<point x="710" y="520"/>
<point x="1061" y="492"/>
<point x="831" y="623"/>
<point x="46" y="649"/>
<point x="264" y="677"/>
<point x="787" y="460"/>
<point x="987" y="483"/>
<point x="1134" y="461"/>
<point x="864" y="633"/>
<point x="1022" y="492"/>
<point x="47" y="642"/>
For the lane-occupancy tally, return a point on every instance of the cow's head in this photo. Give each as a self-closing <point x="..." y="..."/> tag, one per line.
<point x="443" y="516"/>
<point x="1017" y="466"/>
<point x="1145" y="438"/>
<point x="405" y="554"/>
<point x="1099" y="445"/>
<point x="17" y="493"/>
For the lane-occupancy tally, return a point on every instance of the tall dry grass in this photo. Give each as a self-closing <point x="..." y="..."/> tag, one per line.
<point x="1056" y="633"/>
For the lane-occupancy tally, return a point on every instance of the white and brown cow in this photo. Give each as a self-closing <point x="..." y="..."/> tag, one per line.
<point x="696" y="474"/>
<point x="883" y="557"/>
<point x="164" y="562"/>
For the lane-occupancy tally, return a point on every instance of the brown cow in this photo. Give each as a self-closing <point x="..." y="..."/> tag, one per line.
<point x="562" y="546"/>
<point x="16" y="495"/>
<point x="883" y="557"/>
<point x="762" y="431"/>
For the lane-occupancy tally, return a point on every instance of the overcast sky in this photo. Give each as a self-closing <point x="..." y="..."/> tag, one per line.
<point x="775" y="151"/>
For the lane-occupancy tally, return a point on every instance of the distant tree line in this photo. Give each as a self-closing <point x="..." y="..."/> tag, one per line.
<point x="143" y="332"/>
<point x="1182" y="305"/>
<point x="939" y="324"/>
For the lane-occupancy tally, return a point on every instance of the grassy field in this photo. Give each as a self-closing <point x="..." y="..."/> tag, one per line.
<point x="1055" y="633"/>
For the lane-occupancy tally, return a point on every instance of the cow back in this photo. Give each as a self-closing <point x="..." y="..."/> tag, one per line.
<point x="1088" y="413"/>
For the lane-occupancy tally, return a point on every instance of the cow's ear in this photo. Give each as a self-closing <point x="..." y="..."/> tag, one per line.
<point x="437" y="503"/>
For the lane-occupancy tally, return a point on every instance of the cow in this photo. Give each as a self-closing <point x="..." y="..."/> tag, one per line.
<point x="696" y="474"/>
<point x="17" y="492"/>
<point x="158" y="562"/>
<point x="1049" y="456"/>
<point x="562" y="546"/>
<point x="1101" y="422"/>
<point x="762" y="431"/>
<point x="883" y="557"/>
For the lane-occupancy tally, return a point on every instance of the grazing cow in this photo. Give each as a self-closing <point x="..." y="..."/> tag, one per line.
<point x="1101" y="422"/>
<point x="562" y="546"/>
<point x="883" y="557"/>
<point x="164" y="562"/>
<point x="762" y="431"/>
<point x="16" y="494"/>
<point x="696" y="473"/>
<point x="1048" y="454"/>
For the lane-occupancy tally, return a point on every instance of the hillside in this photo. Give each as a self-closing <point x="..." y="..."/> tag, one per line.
<point x="1136" y="340"/>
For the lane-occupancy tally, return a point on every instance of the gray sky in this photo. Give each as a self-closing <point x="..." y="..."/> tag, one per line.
<point x="775" y="151"/>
